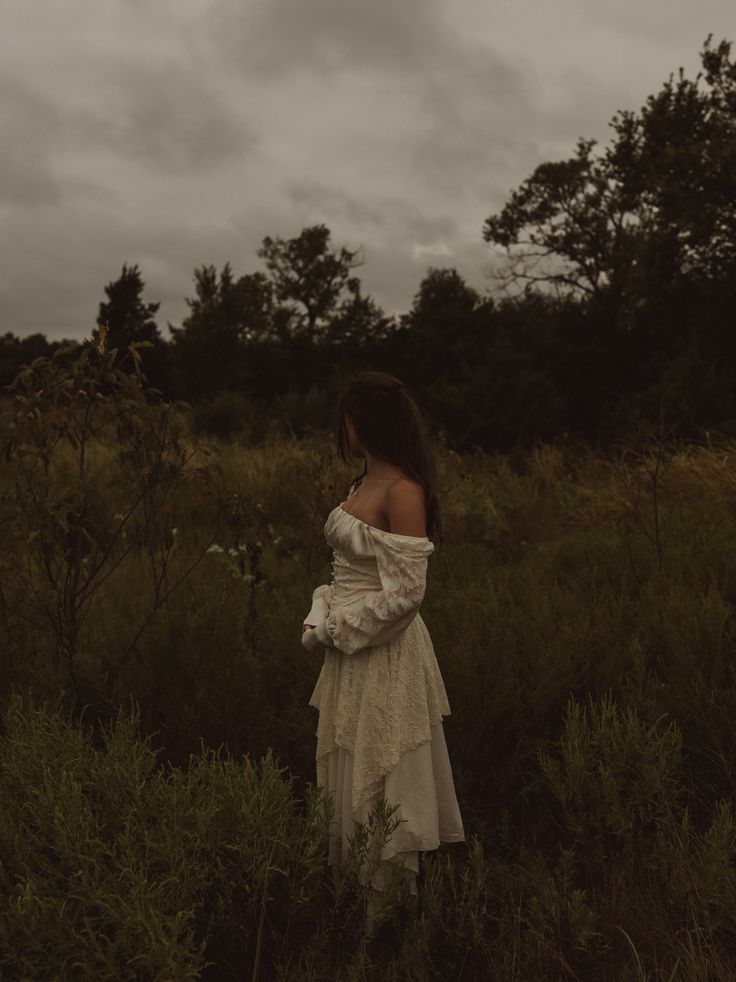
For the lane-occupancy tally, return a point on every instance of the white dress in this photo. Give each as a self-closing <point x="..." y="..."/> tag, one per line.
<point x="380" y="695"/>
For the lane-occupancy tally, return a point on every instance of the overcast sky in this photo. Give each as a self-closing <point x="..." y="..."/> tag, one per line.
<point x="178" y="133"/>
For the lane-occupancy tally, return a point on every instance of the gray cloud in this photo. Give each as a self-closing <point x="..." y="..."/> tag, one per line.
<point x="167" y="115"/>
<point x="31" y="129"/>
<point x="283" y="38"/>
<point x="181" y="133"/>
<point x="387" y="215"/>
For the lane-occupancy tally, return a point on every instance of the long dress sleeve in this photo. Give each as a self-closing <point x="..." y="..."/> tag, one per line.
<point x="321" y="600"/>
<point x="380" y="615"/>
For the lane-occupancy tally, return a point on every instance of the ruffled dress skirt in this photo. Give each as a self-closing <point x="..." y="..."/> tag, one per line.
<point x="381" y="698"/>
<point x="422" y="787"/>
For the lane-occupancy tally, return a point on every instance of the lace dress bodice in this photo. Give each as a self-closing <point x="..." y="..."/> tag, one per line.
<point x="378" y="583"/>
<point x="380" y="687"/>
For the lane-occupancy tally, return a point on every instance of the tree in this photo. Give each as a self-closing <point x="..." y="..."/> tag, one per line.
<point x="642" y="236"/>
<point x="357" y="320"/>
<point x="15" y="351"/>
<point x="306" y="272"/>
<point x="495" y="367"/>
<point x="655" y="210"/>
<point x="128" y="318"/>
<point x="447" y="325"/>
<point x="228" y="317"/>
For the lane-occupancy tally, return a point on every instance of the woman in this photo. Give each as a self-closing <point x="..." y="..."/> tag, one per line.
<point x="380" y="694"/>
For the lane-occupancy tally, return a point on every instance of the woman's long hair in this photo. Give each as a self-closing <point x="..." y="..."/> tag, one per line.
<point x="389" y="425"/>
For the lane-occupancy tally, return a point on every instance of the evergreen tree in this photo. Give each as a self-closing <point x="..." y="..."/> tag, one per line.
<point x="128" y="318"/>
<point x="228" y="319"/>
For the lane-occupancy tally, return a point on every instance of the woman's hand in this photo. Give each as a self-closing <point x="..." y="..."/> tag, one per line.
<point x="309" y="638"/>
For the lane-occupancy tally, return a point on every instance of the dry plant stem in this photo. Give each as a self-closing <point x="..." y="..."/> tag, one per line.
<point x="63" y="558"/>
<point x="160" y="600"/>
<point x="631" y="499"/>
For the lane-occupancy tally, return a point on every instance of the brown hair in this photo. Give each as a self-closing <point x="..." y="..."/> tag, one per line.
<point x="389" y="424"/>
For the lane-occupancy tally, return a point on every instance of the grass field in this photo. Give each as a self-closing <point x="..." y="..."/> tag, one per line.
<point x="581" y="607"/>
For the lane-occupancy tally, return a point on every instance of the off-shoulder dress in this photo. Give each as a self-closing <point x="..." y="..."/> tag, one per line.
<point x="380" y="695"/>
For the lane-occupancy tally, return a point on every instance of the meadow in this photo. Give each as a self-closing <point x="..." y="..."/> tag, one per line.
<point x="158" y="816"/>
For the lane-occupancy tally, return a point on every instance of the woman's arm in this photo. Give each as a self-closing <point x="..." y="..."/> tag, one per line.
<point x="321" y="600"/>
<point x="321" y="597"/>
<point x="402" y="559"/>
<point x="383" y="614"/>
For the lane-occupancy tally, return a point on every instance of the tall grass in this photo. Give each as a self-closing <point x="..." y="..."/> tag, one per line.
<point x="581" y="609"/>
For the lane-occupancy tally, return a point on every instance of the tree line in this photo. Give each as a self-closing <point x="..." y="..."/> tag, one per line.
<point x="614" y="301"/>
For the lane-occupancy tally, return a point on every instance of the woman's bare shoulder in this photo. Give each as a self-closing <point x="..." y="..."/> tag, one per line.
<point x="406" y="486"/>
<point x="406" y="507"/>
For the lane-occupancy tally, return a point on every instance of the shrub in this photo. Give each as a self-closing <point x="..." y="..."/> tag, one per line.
<point x="114" y="868"/>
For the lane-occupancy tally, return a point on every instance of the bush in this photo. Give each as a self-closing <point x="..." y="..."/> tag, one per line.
<point x="225" y="415"/>
<point x="115" y="868"/>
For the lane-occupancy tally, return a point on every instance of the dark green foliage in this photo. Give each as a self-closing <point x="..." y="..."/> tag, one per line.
<point x="614" y="307"/>
<point x="500" y="370"/>
<point x="227" y="414"/>
<point x="307" y="273"/>
<point x="653" y="211"/>
<point x="69" y="523"/>
<point x="267" y="335"/>
<point x="582" y="613"/>
<point x="642" y="236"/>
<point x="228" y="318"/>
<point x="15" y="352"/>
<point x="127" y="317"/>
<point x="116" y="867"/>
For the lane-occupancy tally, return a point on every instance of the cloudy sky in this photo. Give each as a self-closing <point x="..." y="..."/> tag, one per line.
<point x="178" y="133"/>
